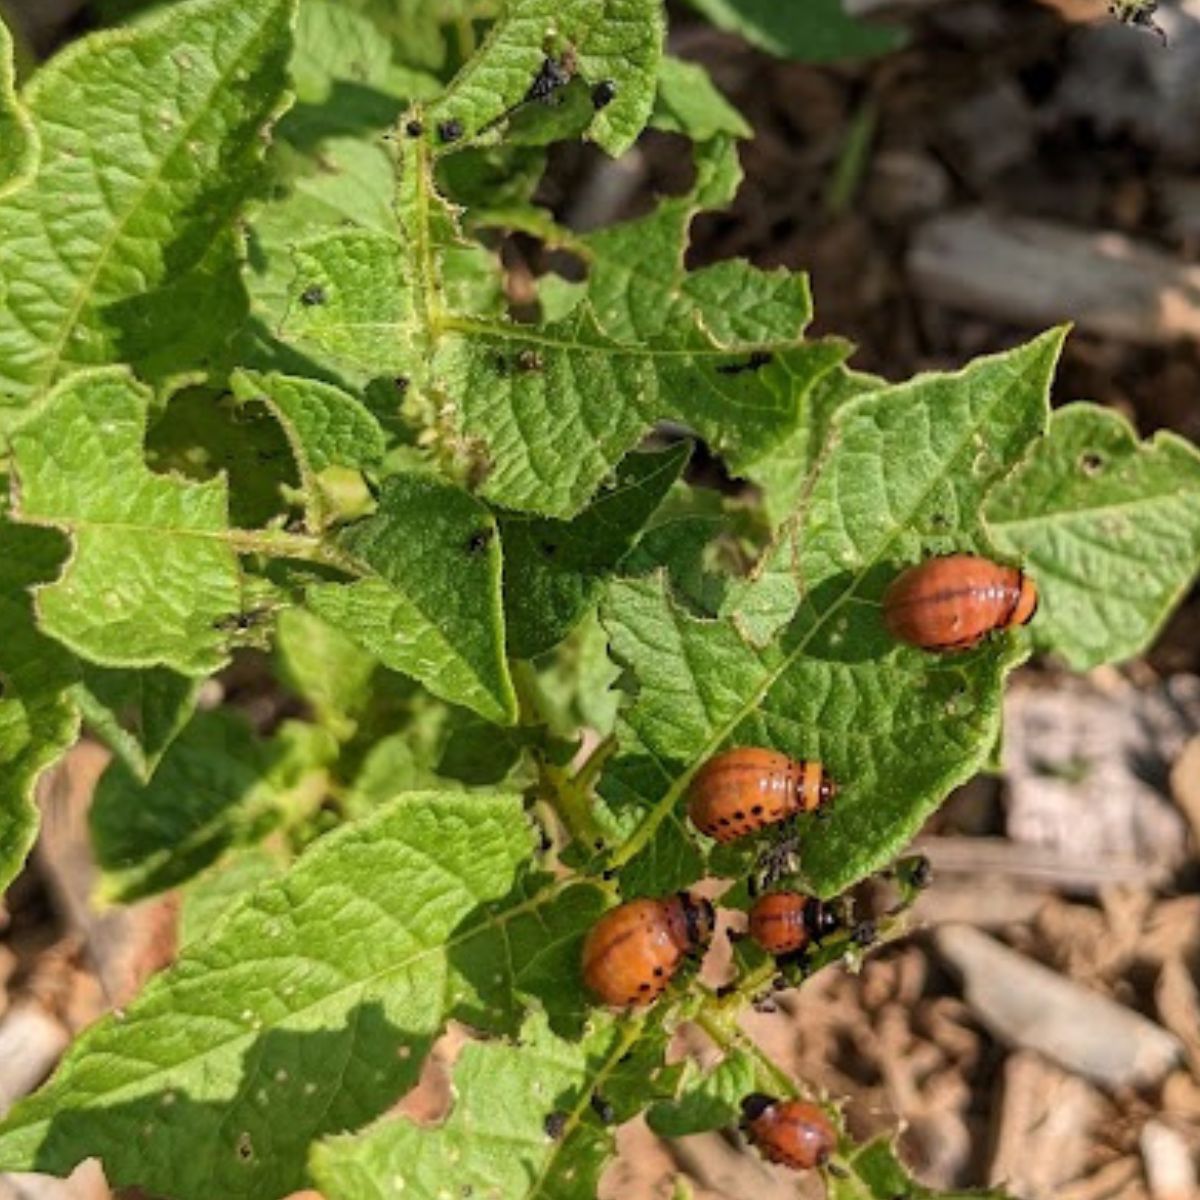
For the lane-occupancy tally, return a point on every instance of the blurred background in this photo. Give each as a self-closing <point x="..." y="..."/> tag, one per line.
<point x="1013" y="164"/>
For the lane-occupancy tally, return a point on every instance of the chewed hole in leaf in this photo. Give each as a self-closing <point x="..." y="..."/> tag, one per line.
<point x="203" y="435"/>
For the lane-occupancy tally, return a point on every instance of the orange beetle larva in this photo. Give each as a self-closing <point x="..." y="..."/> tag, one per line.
<point x="793" y="1132"/>
<point x="634" y="950"/>
<point x="954" y="602"/>
<point x="785" y="922"/>
<point x="739" y="791"/>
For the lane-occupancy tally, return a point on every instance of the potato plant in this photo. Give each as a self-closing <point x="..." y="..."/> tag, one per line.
<point x="267" y="390"/>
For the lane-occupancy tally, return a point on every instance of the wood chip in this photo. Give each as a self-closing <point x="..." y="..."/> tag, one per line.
<point x="1027" y="1005"/>
<point x="1185" y="784"/>
<point x="985" y="860"/>
<point x="30" y="1044"/>
<point x="1170" y="1170"/>
<point x="123" y="945"/>
<point x="1034" y="273"/>
<point x="1078" y="759"/>
<point x="1178" y="1004"/>
<point x="1045" y="1121"/>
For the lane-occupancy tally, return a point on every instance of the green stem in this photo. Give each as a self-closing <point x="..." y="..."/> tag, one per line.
<point x="563" y="792"/>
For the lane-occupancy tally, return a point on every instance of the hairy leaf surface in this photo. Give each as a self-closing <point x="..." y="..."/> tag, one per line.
<point x="429" y="603"/>
<point x="151" y="575"/>
<point x="306" y="1010"/>
<point x="1109" y="528"/>
<point x="155" y="134"/>
<point x="500" y="1138"/>
<point x="904" y="476"/>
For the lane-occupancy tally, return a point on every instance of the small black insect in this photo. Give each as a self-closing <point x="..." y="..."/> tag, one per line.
<point x="530" y="360"/>
<point x="549" y="549"/>
<point x="552" y="75"/>
<point x="603" y="1109"/>
<point x="480" y="539"/>
<point x="400" y="383"/>
<point x="312" y="295"/>
<point x="758" y="359"/>
<point x="414" y="129"/>
<point x="554" y="1125"/>
<point x="603" y="94"/>
<point x="451" y="130"/>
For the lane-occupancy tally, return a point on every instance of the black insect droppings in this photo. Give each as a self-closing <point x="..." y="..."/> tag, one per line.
<point x="603" y="94"/>
<point x="603" y="1109"/>
<point x="554" y="1125"/>
<point x="451" y="130"/>
<point x="414" y="129"/>
<point x="480" y="539"/>
<point x="549" y="549"/>
<point x="312" y="295"/>
<point x="400" y="383"/>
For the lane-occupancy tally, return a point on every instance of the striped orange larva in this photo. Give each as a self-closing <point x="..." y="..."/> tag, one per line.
<point x="634" y="950"/>
<point x="954" y="602"/>
<point x="786" y="922"/>
<point x="793" y="1132"/>
<point x="739" y="791"/>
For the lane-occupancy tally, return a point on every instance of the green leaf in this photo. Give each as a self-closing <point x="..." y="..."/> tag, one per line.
<point x="495" y="1140"/>
<point x="785" y="473"/>
<point x="904" y="476"/>
<point x="151" y="576"/>
<point x="218" y="786"/>
<point x="1109" y="528"/>
<point x="19" y="144"/>
<point x="706" y="1099"/>
<point x="326" y="427"/>
<point x="875" y="1172"/>
<point x="430" y="603"/>
<point x="814" y="31"/>
<point x="155" y="135"/>
<point x="137" y="714"/>
<point x="688" y="102"/>
<point x="307" y="1010"/>
<point x="553" y="570"/>
<point x="543" y="413"/>
<point x="38" y="720"/>
<point x="619" y="41"/>
<point x="351" y="185"/>
<point x="215" y="891"/>
<point x="326" y="668"/>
